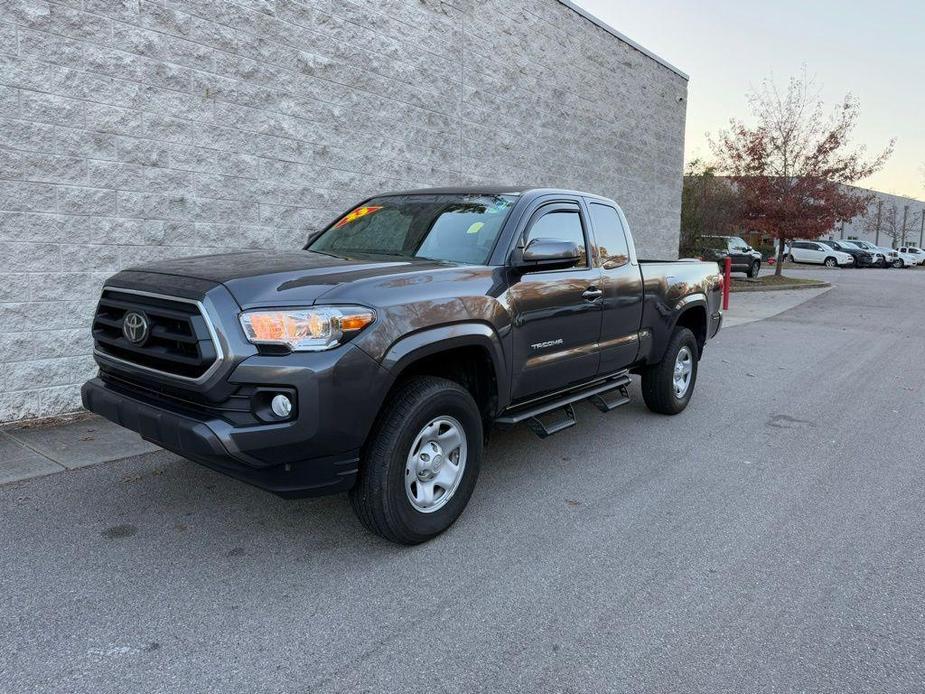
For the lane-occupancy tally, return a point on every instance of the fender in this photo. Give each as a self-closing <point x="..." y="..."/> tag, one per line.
<point x="663" y="328"/>
<point x="423" y="343"/>
<point x="689" y="301"/>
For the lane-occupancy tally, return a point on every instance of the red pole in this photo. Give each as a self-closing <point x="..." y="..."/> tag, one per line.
<point x="727" y="281"/>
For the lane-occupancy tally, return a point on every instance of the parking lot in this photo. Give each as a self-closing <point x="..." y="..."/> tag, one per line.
<point x="769" y="538"/>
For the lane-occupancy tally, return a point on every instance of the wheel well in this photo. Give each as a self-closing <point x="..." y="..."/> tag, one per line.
<point x="695" y="320"/>
<point x="471" y="367"/>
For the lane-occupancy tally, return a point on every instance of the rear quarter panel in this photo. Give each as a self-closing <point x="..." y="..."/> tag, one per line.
<point x="671" y="288"/>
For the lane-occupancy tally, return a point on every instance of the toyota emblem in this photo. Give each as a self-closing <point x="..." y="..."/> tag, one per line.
<point x="135" y="327"/>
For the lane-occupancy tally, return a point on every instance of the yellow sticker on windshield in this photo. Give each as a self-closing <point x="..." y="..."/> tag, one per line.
<point x="358" y="213"/>
<point x="475" y="228"/>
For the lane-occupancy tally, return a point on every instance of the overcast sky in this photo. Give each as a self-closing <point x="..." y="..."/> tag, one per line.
<point x="874" y="50"/>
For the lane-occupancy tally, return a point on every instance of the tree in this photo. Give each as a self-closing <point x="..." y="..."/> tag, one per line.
<point x="792" y="166"/>
<point x="897" y="223"/>
<point x="709" y="205"/>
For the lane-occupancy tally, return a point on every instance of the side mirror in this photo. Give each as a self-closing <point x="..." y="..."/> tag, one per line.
<point x="549" y="254"/>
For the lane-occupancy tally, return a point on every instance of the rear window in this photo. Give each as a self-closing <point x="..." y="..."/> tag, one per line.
<point x="455" y="228"/>
<point x="715" y="242"/>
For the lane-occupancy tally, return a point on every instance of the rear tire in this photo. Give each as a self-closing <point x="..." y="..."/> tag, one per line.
<point x="754" y="270"/>
<point x="659" y="384"/>
<point x="390" y="497"/>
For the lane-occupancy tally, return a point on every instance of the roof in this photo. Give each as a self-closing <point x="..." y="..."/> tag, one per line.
<point x="491" y="190"/>
<point x="623" y="37"/>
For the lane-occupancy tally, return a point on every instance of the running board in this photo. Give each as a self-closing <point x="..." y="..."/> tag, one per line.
<point x="597" y="394"/>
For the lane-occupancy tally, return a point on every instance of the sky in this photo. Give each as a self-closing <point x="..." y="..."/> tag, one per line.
<point x="876" y="51"/>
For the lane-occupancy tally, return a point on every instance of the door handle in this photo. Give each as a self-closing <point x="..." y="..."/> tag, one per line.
<point x="592" y="294"/>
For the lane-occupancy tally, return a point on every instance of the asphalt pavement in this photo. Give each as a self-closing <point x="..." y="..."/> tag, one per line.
<point x="770" y="538"/>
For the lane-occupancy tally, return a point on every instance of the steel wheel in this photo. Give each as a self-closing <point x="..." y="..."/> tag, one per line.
<point x="435" y="464"/>
<point x="683" y="368"/>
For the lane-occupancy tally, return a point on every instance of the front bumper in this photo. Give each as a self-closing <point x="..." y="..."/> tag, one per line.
<point x="212" y="443"/>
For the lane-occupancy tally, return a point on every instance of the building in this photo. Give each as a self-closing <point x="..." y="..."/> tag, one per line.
<point x="133" y="131"/>
<point x="890" y="221"/>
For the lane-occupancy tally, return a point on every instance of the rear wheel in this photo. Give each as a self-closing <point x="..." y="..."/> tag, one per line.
<point x="831" y="262"/>
<point x="421" y="463"/>
<point x="754" y="269"/>
<point x="667" y="386"/>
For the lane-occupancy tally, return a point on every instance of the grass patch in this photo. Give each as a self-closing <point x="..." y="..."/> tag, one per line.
<point x="740" y="284"/>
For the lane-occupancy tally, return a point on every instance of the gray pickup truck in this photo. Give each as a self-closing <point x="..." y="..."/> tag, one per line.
<point x="377" y="359"/>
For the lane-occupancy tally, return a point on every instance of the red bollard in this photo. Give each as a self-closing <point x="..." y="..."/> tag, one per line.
<point x="727" y="280"/>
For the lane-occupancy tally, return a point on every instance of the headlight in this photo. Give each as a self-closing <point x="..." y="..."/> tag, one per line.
<point x="305" y="329"/>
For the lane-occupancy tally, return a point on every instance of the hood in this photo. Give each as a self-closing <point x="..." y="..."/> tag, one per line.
<point x="286" y="278"/>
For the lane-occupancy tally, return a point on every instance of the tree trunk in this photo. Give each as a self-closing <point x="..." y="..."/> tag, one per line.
<point x="779" y="268"/>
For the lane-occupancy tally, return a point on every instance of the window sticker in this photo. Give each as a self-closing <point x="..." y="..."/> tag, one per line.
<point x="475" y="228"/>
<point x="356" y="214"/>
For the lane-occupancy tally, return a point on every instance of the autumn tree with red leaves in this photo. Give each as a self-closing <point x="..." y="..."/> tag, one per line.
<point x="792" y="165"/>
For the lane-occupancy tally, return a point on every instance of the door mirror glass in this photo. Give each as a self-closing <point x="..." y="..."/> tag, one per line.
<point x="549" y="254"/>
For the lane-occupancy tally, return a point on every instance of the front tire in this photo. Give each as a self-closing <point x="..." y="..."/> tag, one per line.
<point x="421" y="462"/>
<point x="831" y="262"/>
<point x="898" y="264"/>
<point x="667" y="386"/>
<point x="754" y="270"/>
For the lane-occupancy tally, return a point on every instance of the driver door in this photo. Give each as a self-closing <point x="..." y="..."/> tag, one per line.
<point x="557" y="313"/>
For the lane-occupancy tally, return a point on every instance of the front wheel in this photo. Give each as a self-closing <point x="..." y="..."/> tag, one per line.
<point x="754" y="270"/>
<point x="897" y="264"/>
<point x="667" y="386"/>
<point x="421" y="463"/>
<point x="831" y="262"/>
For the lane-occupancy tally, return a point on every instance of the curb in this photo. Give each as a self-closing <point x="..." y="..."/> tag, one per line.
<point x="781" y="287"/>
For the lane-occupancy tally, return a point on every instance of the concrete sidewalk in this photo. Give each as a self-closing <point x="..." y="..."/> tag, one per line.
<point x="41" y="449"/>
<point x="748" y="307"/>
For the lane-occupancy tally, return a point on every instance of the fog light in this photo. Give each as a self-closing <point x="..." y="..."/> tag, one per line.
<point x="281" y="405"/>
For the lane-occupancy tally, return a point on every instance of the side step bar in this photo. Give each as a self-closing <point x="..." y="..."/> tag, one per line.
<point x="598" y="394"/>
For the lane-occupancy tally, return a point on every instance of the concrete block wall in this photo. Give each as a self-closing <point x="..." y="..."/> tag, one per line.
<point x="134" y="130"/>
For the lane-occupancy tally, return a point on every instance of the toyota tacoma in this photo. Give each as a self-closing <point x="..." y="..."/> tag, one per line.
<point x="377" y="359"/>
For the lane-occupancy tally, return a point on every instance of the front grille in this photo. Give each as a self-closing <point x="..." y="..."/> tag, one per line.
<point x="179" y="342"/>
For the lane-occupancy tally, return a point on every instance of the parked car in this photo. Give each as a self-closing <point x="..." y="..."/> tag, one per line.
<point x="744" y="258"/>
<point x="376" y="359"/>
<point x="916" y="253"/>
<point x="880" y="256"/>
<point x="900" y="259"/>
<point x="819" y="254"/>
<point x="885" y="253"/>
<point x="862" y="258"/>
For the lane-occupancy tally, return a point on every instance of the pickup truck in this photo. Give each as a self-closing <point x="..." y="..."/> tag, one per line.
<point x="377" y="359"/>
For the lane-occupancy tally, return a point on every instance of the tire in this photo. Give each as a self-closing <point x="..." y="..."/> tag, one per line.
<point x="754" y="270"/>
<point x="830" y="262"/>
<point x="790" y="258"/>
<point x="658" y="380"/>
<point x="897" y="264"/>
<point x="381" y="497"/>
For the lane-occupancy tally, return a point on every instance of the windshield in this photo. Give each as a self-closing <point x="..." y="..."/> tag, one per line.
<point x="456" y="228"/>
